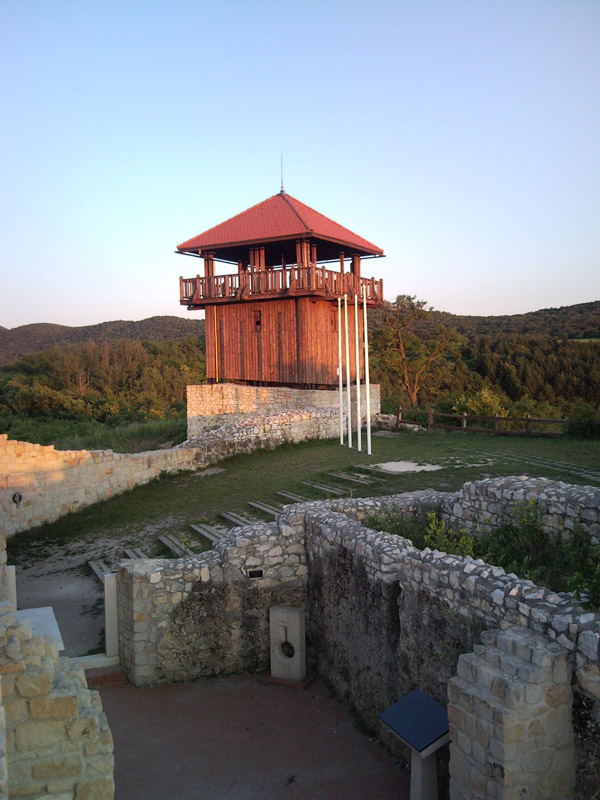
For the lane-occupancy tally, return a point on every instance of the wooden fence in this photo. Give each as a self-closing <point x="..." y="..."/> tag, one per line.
<point x="519" y="426"/>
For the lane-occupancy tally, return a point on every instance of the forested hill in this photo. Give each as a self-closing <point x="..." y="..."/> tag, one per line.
<point x="581" y="321"/>
<point x="28" y="339"/>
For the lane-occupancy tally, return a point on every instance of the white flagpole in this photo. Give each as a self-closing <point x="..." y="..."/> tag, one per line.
<point x="357" y="348"/>
<point x="340" y="370"/>
<point x="348" y="372"/>
<point x="367" y="383"/>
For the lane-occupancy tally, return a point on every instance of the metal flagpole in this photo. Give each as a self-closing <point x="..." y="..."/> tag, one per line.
<point x="340" y="369"/>
<point x="357" y="348"/>
<point x="367" y="383"/>
<point x="348" y="372"/>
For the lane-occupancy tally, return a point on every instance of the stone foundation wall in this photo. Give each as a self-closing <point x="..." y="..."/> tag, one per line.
<point x="210" y="405"/>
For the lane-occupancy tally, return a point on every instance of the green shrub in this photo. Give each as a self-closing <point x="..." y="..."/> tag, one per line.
<point x="568" y="564"/>
<point x="584" y="423"/>
<point x="425" y="529"/>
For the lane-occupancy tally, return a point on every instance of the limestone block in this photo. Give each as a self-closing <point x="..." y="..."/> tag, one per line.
<point x="61" y="767"/>
<point x="86" y="729"/>
<point x="99" y="789"/>
<point x="589" y="680"/>
<point x="53" y="707"/>
<point x="30" y="736"/>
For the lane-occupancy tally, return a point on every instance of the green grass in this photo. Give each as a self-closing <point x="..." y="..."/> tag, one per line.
<point x="172" y="502"/>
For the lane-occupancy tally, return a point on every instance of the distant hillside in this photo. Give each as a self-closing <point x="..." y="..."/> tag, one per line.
<point x="581" y="321"/>
<point x="27" y="339"/>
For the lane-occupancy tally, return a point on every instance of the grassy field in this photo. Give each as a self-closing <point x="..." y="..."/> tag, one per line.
<point x="171" y="503"/>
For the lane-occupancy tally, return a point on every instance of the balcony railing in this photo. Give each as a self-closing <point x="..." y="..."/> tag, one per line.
<point x="277" y="283"/>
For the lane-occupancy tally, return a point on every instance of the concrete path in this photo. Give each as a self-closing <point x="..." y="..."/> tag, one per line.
<point x="239" y="739"/>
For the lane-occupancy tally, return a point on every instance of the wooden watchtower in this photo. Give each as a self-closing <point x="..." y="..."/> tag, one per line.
<point x="274" y="321"/>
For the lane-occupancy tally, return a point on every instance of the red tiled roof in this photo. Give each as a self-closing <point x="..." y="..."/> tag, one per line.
<point x="279" y="217"/>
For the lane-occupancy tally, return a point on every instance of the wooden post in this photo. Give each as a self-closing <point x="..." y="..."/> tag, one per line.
<point x="342" y="262"/>
<point x="495" y="424"/>
<point x="357" y="353"/>
<point x="298" y="276"/>
<point x="356" y="272"/>
<point x="340" y="368"/>
<point x="463" y="423"/>
<point x="528" y="424"/>
<point x="209" y="271"/>
<point x="399" y="416"/>
<point x="367" y="379"/>
<point x="430" y="420"/>
<point x="348" y="397"/>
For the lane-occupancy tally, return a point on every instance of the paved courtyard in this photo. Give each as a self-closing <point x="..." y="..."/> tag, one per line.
<point x="238" y="738"/>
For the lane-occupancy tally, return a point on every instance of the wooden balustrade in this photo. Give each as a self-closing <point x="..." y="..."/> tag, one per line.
<point x="277" y="282"/>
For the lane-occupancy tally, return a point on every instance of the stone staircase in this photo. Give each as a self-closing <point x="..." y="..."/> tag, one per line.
<point x="510" y="720"/>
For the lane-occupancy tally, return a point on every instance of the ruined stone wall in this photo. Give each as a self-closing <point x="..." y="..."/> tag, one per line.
<point x="509" y="714"/>
<point x="53" y="483"/>
<point x="58" y="743"/>
<point x="203" y="616"/>
<point x="209" y="405"/>
<point x="382" y="616"/>
<point x="54" y="738"/>
<point x="482" y="506"/>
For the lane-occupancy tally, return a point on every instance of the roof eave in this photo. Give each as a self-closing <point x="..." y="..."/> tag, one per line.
<point x="349" y="247"/>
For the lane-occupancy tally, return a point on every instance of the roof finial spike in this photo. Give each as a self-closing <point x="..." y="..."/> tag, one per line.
<point x="282" y="189"/>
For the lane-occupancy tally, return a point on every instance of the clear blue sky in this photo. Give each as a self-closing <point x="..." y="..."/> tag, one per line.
<point x="461" y="137"/>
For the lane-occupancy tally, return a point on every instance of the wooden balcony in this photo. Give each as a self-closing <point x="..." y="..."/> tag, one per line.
<point x="274" y="283"/>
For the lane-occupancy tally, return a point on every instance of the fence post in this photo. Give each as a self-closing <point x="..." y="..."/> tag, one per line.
<point x="430" y="420"/>
<point x="528" y="424"/>
<point x="399" y="417"/>
<point x="463" y="424"/>
<point x="495" y="424"/>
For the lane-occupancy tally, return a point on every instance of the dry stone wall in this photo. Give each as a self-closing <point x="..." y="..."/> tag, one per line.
<point x="209" y="405"/>
<point x="510" y="720"/>
<point x="54" y="738"/>
<point x="58" y="743"/>
<point x="53" y="483"/>
<point x="482" y="506"/>
<point x="208" y="615"/>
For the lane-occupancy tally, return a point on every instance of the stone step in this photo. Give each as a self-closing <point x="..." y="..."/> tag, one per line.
<point x="99" y="569"/>
<point x="343" y="476"/>
<point x="212" y="534"/>
<point x="134" y="553"/>
<point x="105" y="676"/>
<point x="274" y="511"/>
<point x="517" y="641"/>
<point x="175" y="546"/>
<point x="322" y="487"/>
<point x="297" y="498"/>
<point x="236" y="520"/>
